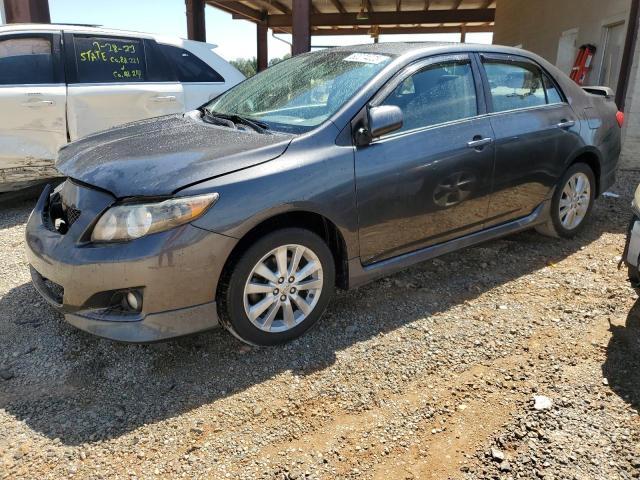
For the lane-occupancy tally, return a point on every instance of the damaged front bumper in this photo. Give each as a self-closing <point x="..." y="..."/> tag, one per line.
<point x="174" y="272"/>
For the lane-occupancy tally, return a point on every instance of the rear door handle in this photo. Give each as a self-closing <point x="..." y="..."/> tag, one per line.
<point x="38" y="103"/>
<point x="566" y="124"/>
<point x="165" y="98"/>
<point x="478" y="143"/>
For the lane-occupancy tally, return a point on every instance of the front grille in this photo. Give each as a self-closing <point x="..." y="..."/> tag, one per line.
<point x="58" y="216"/>
<point x="72" y="215"/>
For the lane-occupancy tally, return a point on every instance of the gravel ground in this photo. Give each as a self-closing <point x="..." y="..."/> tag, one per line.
<point x="515" y="359"/>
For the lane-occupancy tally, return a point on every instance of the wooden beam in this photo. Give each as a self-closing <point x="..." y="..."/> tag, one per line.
<point x="369" y="6"/>
<point x="392" y="18"/>
<point x="398" y="5"/>
<point x="27" y="11"/>
<point x="457" y="4"/>
<point x="301" y="18"/>
<point x="275" y="4"/>
<point x="262" y="46"/>
<point x="195" y="20"/>
<point x="238" y="10"/>
<point x="628" y="54"/>
<point x="399" y="30"/>
<point x="427" y="5"/>
<point x="339" y="6"/>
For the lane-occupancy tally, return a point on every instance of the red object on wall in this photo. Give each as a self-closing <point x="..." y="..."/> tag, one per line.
<point x="583" y="64"/>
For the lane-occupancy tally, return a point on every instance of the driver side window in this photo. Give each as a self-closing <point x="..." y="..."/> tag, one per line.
<point x="439" y="93"/>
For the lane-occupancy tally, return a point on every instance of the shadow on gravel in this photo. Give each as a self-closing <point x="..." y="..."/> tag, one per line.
<point x="78" y="388"/>
<point x="622" y="366"/>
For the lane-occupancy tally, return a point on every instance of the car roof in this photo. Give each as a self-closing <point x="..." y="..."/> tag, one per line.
<point x="421" y="48"/>
<point x="97" y="29"/>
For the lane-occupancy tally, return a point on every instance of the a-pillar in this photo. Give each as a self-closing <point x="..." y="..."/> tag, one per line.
<point x="301" y="13"/>
<point x="195" y="20"/>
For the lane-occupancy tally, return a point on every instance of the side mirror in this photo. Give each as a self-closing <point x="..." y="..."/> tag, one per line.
<point x="384" y="119"/>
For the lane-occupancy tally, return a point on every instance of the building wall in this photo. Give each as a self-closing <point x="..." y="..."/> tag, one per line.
<point x="538" y="25"/>
<point x="630" y="157"/>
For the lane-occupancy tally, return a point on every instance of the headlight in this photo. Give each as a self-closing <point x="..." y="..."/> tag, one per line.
<point x="130" y="221"/>
<point x="636" y="201"/>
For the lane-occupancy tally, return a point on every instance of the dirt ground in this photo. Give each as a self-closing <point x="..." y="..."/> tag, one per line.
<point x="430" y="374"/>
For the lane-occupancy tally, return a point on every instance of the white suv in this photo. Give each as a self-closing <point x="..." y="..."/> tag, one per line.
<point x="59" y="83"/>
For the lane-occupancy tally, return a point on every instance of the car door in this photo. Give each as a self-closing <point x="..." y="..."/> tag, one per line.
<point x="200" y="81"/>
<point x="115" y="80"/>
<point x="536" y="131"/>
<point x="32" y="105"/>
<point x="429" y="181"/>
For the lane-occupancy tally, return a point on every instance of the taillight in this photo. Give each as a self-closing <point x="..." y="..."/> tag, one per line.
<point x="620" y="118"/>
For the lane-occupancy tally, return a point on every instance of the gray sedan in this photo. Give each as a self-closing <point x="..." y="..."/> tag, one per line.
<point x="329" y="169"/>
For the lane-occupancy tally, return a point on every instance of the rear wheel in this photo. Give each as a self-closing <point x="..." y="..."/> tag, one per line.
<point x="571" y="203"/>
<point x="279" y="287"/>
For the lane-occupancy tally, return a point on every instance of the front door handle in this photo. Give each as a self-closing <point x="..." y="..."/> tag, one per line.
<point x="165" y="98"/>
<point x="38" y="103"/>
<point x="566" y="124"/>
<point x="478" y="142"/>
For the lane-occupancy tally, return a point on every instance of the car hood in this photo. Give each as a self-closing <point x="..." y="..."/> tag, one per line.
<point x="161" y="155"/>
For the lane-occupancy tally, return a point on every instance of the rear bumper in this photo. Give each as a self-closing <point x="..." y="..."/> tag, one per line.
<point x="176" y="273"/>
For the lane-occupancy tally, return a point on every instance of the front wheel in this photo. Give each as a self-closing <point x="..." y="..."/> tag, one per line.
<point x="571" y="203"/>
<point x="278" y="288"/>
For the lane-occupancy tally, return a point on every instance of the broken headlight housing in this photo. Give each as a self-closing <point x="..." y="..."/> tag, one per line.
<point x="129" y="221"/>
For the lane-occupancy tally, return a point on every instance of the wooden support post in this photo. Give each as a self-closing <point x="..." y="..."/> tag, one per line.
<point x="628" y="54"/>
<point x="195" y="20"/>
<point x="27" y="11"/>
<point x="301" y="26"/>
<point x="262" y="44"/>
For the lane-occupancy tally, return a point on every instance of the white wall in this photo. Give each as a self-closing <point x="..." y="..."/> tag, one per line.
<point x="538" y="25"/>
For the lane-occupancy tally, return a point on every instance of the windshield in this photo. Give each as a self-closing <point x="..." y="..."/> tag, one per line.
<point x="302" y="92"/>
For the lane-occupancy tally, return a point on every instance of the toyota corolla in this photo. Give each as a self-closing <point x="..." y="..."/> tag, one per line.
<point x="329" y="169"/>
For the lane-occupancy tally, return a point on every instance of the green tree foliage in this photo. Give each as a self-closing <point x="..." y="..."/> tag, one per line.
<point x="249" y="66"/>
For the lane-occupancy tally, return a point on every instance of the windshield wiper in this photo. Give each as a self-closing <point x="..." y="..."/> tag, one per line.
<point x="258" y="126"/>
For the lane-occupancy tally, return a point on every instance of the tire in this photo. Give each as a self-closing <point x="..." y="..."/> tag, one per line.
<point x="244" y="291"/>
<point x="559" y="225"/>
<point x="634" y="278"/>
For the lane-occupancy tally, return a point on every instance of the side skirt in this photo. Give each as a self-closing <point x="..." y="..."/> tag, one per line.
<point x="360" y="275"/>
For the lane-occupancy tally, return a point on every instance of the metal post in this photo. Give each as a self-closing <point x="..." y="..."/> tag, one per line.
<point x="195" y="20"/>
<point x="27" y="11"/>
<point x="301" y="20"/>
<point x="463" y="34"/>
<point x="262" y="44"/>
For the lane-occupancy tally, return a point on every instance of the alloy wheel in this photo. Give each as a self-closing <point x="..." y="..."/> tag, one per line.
<point x="574" y="201"/>
<point x="283" y="288"/>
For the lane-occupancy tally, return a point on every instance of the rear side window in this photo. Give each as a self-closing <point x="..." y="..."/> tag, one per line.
<point x="440" y="93"/>
<point x="515" y="85"/>
<point x="553" y="95"/>
<point x="109" y="59"/>
<point x="26" y="61"/>
<point x="188" y="67"/>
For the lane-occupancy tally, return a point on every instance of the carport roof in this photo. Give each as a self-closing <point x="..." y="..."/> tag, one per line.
<point x="349" y="17"/>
